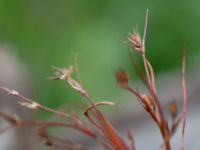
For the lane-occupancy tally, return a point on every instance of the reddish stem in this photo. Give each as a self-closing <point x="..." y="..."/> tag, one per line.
<point x="184" y="88"/>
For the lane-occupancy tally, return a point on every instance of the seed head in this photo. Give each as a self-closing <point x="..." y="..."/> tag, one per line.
<point x="122" y="77"/>
<point x="135" y="40"/>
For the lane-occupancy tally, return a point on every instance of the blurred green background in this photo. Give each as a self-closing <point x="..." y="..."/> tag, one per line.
<point x="50" y="32"/>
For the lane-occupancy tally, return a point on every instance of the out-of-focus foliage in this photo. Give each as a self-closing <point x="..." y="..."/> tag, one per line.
<point x="50" y="32"/>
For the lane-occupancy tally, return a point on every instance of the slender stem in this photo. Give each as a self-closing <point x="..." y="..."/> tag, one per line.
<point x="22" y="99"/>
<point x="143" y="47"/>
<point x="146" y="105"/>
<point x="145" y="27"/>
<point x="146" y="68"/>
<point x="161" y="122"/>
<point x="184" y="100"/>
<point x="139" y="71"/>
<point x="59" y="113"/>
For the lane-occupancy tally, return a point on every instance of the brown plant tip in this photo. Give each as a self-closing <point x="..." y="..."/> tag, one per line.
<point x="42" y="133"/>
<point x="66" y="74"/>
<point x="62" y="73"/>
<point x="135" y="40"/>
<point x="9" y="91"/>
<point x="122" y="77"/>
<point x="173" y="110"/>
<point x="149" y="101"/>
<point x="12" y="119"/>
<point x="30" y="105"/>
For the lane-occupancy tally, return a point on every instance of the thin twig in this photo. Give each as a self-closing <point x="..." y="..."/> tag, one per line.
<point x="143" y="49"/>
<point x="152" y="76"/>
<point x="139" y="71"/>
<point x="144" y="102"/>
<point x="131" y="139"/>
<point x="77" y="70"/>
<point x="162" y="122"/>
<point x="24" y="101"/>
<point x="184" y="88"/>
<point x="145" y="27"/>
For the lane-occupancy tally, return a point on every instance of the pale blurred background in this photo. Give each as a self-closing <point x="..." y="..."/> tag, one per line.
<point x="45" y="33"/>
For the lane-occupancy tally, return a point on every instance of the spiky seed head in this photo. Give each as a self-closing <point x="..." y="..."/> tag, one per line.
<point x="135" y="40"/>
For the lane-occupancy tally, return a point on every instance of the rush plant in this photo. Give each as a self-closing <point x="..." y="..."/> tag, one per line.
<point x="96" y="125"/>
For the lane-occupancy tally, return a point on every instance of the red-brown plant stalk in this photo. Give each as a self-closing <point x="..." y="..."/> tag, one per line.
<point x="98" y="126"/>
